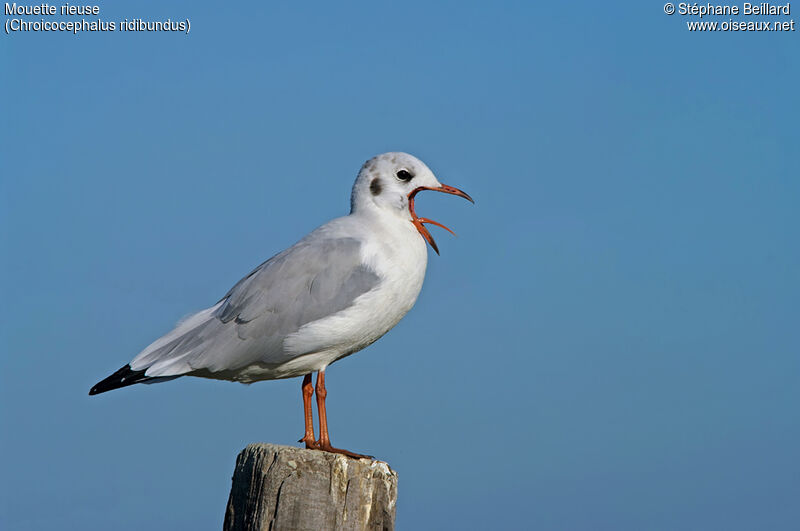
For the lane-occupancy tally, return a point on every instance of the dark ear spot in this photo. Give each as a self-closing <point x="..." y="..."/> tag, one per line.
<point x="375" y="186"/>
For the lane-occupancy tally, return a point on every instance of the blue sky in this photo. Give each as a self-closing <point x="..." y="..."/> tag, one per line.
<point x="610" y="343"/>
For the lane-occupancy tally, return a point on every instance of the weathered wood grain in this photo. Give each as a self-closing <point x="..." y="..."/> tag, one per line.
<point x="285" y="488"/>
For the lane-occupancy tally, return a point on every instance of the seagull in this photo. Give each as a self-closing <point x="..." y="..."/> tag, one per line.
<point x="333" y="293"/>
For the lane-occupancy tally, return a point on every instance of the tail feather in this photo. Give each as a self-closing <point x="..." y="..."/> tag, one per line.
<point x="125" y="377"/>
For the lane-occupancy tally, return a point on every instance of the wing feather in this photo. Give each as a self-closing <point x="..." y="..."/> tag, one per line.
<point x="315" y="278"/>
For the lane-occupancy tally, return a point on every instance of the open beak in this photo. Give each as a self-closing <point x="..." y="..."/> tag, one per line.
<point x="418" y="221"/>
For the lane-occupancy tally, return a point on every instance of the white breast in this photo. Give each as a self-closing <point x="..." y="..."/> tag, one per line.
<point x="397" y="253"/>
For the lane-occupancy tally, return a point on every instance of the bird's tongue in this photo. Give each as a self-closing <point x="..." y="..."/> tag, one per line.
<point x="419" y="222"/>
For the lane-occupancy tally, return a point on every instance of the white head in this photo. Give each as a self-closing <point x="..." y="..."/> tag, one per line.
<point x="387" y="185"/>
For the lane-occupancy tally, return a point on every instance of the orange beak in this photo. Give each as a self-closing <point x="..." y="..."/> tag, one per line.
<point x="418" y="221"/>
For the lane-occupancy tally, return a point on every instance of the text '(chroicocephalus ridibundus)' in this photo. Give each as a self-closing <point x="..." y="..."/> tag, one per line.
<point x="331" y="294"/>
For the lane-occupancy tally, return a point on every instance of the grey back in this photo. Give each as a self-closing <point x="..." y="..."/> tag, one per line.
<point x="313" y="279"/>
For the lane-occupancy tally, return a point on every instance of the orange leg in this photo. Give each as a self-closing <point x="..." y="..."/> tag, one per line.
<point x="324" y="442"/>
<point x="308" y="390"/>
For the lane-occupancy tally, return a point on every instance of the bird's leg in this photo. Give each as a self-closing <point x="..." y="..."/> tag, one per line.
<point x="324" y="442"/>
<point x="308" y="390"/>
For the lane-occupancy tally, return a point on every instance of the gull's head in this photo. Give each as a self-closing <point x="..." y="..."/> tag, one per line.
<point x="387" y="185"/>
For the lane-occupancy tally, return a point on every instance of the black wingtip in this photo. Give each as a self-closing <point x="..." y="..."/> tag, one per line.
<point x="122" y="378"/>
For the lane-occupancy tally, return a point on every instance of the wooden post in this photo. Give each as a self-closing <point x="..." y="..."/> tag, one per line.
<point x="282" y="487"/>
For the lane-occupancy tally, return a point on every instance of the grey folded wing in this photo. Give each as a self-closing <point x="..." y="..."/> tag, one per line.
<point x="309" y="281"/>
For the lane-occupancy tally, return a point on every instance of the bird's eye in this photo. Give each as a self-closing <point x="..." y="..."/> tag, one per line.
<point x="404" y="175"/>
